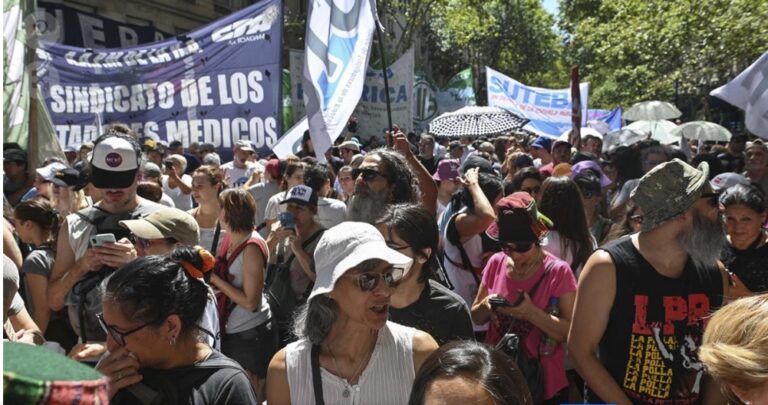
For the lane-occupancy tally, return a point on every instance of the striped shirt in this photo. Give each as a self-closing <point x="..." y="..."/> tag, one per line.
<point x="386" y="379"/>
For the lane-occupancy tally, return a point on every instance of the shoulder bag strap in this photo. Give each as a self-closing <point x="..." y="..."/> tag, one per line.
<point x="305" y="244"/>
<point x="216" y="235"/>
<point x="453" y="236"/>
<point x="532" y="293"/>
<point x="317" y="380"/>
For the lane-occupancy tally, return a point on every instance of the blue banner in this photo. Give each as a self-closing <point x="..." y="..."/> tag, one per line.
<point x="219" y="84"/>
<point x="610" y="117"/>
<point x="549" y="110"/>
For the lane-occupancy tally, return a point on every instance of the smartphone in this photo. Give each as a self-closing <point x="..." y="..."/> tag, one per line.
<point x="286" y="220"/>
<point x="102" y="238"/>
<point x="498" y="302"/>
<point x="168" y="164"/>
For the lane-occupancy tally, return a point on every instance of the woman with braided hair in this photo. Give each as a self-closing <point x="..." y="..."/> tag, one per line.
<point x="151" y="311"/>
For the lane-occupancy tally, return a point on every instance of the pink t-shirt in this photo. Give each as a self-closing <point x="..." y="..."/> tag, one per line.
<point x="559" y="281"/>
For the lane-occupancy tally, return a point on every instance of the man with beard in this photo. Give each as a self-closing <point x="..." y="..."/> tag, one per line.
<point x="80" y="263"/>
<point x="643" y="300"/>
<point x="382" y="179"/>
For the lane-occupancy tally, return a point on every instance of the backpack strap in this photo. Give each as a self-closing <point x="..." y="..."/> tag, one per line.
<point x="453" y="236"/>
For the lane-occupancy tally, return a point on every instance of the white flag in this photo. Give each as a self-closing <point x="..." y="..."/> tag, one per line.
<point x="749" y="91"/>
<point x="339" y="34"/>
<point x="290" y="142"/>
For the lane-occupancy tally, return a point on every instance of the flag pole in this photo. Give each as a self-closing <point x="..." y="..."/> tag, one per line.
<point x="384" y="68"/>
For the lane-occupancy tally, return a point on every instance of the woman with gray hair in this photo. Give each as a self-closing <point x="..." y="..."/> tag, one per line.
<point x="344" y="330"/>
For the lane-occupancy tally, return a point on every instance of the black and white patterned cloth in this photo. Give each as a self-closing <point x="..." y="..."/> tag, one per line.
<point x="476" y="121"/>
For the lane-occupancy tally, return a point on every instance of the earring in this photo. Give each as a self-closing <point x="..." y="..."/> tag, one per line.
<point x="172" y="340"/>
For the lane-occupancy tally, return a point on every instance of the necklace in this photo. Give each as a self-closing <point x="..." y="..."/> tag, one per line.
<point x="532" y="265"/>
<point x="347" y="386"/>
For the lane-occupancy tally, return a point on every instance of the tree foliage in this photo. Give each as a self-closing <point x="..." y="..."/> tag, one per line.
<point x="632" y="50"/>
<point x="513" y="36"/>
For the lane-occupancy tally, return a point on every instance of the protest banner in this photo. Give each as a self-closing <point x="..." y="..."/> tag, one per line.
<point x="218" y="85"/>
<point x="612" y="118"/>
<point x="296" y="66"/>
<point x="429" y="100"/>
<point x="339" y="35"/>
<point x="60" y="23"/>
<point x="749" y="91"/>
<point x="548" y="110"/>
<point x="371" y="110"/>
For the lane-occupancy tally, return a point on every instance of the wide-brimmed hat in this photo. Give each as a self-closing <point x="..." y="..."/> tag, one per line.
<point x="519" y="220"/>
<point x="344" y="247"/>
<point x="668" y="190"/>
<point x="166" y="223"/>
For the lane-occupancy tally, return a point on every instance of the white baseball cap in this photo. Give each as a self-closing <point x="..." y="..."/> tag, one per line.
<point x="48" y="172"/>
<point x="344" y="247"/>
<point x="114" y="162"/>
<point x="724" y="181"/>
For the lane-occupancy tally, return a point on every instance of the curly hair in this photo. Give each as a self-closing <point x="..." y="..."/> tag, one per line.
<point x="398" y="173"/>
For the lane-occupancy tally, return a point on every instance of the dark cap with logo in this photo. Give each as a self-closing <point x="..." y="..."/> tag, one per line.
<point x="301" y="195"/>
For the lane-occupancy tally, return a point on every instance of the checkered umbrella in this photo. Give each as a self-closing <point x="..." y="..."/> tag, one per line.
<point x="476" y="121"/>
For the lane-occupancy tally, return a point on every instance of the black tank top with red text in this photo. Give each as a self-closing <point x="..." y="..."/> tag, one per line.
<point x="651" y="342"/>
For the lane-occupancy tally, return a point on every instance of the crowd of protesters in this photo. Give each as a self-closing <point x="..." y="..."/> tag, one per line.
<point x="511" y="269"/>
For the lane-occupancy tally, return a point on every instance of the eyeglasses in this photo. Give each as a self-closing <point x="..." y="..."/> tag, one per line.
<point x="587" y="194"/>
<point x="116" y="335"/>
<point x="712" y="198"/>
<point x="369" y="175"/>
<point x="516" y="247"/>
<point x="394" y="246"/>
<point x="369" y="281"/>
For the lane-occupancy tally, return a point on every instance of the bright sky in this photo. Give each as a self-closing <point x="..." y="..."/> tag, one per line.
<point x="550" y="5"/>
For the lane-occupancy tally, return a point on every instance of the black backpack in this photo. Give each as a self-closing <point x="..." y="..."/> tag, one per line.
<point x="86" y="293"/>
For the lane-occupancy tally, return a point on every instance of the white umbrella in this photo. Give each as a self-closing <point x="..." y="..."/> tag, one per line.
<point x="476" y="121"/>
<point x="703" y="131"/>
<point x="651" y="111"/>
<point x="659" y="130"/>
<point x="622" y="137"/>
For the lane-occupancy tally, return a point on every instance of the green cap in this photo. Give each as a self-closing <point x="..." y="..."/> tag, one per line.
<point x="669" y="190"/>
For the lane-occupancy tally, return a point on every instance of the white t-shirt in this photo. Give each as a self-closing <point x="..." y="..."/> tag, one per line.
<point x="180" y="200"/>
<point x="237" y="176"/>
<point x="262" y="192"/>
<point x="167" y="201"/>
<point x="274" y="207"/>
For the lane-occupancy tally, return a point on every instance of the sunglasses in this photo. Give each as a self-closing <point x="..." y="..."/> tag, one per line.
<point x="712" y="198"/>
<point x="516" y="247"/>
<point x="116" y="335"/>
<point x="146" y="243"/>
<point x="369" y="281"/>
<point x="369" y="175"/>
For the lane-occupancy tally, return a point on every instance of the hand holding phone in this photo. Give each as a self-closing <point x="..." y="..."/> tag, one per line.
<point x="101" y="239"/>
<point x="497" y="301"/>
<point x="287" y="220"/>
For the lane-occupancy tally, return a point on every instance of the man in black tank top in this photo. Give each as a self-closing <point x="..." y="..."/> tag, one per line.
<point x="643" y="300"/>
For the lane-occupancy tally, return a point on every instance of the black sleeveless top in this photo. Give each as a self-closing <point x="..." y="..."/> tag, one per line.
<point x="655" y="327"/>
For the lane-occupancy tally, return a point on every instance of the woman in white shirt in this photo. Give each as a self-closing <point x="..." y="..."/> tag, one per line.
<point x="348" y="352"/>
